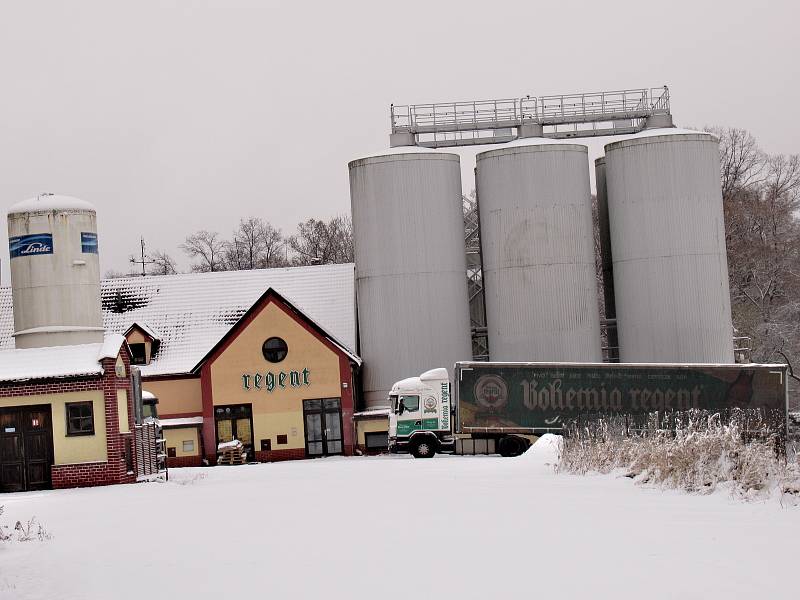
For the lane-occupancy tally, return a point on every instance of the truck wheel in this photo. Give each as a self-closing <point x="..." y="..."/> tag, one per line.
<point x="511" y="446"/>
<point x="424" y="448"/>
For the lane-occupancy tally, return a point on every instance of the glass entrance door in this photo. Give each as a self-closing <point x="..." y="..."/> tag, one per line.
<point x="235" y="423"/>
<point x="323" y="421"/>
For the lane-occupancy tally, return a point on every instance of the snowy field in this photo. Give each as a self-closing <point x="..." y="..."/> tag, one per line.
<point x="394" y="527"/>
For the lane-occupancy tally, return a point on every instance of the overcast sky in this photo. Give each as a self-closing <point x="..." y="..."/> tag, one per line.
<point x="177" y="116"/>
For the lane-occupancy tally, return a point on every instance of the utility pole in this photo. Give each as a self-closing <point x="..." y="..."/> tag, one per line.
<point x="144" y="260"/>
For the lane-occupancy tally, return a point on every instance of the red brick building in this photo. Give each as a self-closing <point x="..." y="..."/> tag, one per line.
<point x="66" y="416"/>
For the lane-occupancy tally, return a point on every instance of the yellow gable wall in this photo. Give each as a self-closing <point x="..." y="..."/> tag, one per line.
<point x="280" y="411"/>
<point x="72" y="449"/>
<point x="175" y="438"/>
<point x="370" y="426"/>
<point x="176" y="396"/>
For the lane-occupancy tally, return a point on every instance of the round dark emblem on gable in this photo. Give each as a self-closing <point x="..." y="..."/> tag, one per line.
<point x="275" y="349"/>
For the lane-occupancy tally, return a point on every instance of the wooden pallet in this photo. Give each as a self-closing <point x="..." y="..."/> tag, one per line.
<point x="232" y="456"/>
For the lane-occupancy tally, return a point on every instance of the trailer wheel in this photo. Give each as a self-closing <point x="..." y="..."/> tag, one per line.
<point x="511" y="446"/>
<point x="423" y="448"/>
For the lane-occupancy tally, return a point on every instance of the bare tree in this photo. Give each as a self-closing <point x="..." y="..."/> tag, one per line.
<point x="761" y="197"/>
<point x="320" y="242"/>
<point x="161" y="263"/>
<point x="255" y="244"/>
<point x="207" y="247"/>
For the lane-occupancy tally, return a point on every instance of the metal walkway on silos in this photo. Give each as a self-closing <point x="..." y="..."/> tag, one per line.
<point x="450" y="124"/>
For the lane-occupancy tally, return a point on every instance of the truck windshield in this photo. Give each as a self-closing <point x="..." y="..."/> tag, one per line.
<point x="409" y="404"/>
<point x="393" y="403"/>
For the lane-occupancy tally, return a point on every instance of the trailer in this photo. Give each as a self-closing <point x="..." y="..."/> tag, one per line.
<point x="501" y="408"/>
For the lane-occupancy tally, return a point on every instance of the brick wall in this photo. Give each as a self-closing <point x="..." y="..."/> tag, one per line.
<point x="294" y="454"/>
<point x="184" y="461"/>
<point x="278" y="455"/>
<point x="118" y="444"/>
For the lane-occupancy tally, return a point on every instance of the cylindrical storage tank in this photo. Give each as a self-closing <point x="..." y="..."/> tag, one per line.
<point x="539" y="276"/>
<point x="55" y="272"/>
<point x="606" y="264"/>
<point x="411" y="284"/>
<point x="668" y="248"/>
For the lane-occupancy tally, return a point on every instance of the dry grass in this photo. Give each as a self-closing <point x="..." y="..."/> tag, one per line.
<point x="695" y="451"/>
<point x="25" y="532"/>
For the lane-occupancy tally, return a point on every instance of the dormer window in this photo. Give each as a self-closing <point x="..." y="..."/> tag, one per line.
<point x="138" y="354"/>
<point x="143" y="343"/>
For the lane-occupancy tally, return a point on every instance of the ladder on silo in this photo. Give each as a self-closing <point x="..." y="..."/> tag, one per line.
<point x="477" y="307"/>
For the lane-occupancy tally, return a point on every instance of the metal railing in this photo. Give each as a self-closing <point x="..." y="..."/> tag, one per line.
<point x="594" y="113"/>
<point x="455" y="116"/>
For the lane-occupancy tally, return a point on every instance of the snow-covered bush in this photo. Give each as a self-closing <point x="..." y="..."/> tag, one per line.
<point x="693" y="450"/>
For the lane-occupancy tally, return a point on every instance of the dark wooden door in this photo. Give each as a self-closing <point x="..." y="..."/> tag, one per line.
<point x="26" y="448"/>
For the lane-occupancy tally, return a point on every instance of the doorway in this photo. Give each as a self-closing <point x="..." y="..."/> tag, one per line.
<point x="323" y="423"/>
<point x="235" y="422"/>
<point x="26" y="448"/>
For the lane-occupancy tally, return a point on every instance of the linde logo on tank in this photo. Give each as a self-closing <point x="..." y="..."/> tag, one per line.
<point x="491" y="391"/>
<point x="269" y="381"/>
<point x="30" y="245"/>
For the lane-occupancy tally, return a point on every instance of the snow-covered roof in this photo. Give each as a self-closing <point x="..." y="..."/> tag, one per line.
<point x="373" y="412"/>
<point x="181" y="422"/>
<point x="191" y="312"/>
<point x="145" y="328"/>
<point x="46" y="202"/>
<point x="57" y="361"/>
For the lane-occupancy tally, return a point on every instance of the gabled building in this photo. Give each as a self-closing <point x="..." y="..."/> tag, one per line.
<point x="263" y="356"/>
<point x="66" y="416"/>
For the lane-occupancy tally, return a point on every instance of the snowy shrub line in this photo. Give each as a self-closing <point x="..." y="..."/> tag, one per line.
<point x="24" y="532"/>
<point x="694" y="450"/>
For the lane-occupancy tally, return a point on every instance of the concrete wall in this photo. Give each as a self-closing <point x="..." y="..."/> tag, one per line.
<point x="181" y="396"/>
<point x="176" y="436"/>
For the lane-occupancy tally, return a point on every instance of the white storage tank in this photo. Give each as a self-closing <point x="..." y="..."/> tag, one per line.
<point x="411" y="284"/>
<point x="668" y="248"/>
<point x="535" y="212"/>
<point x="55" y="272"/>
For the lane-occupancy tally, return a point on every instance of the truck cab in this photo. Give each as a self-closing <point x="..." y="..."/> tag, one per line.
<point x="420" y="419"/>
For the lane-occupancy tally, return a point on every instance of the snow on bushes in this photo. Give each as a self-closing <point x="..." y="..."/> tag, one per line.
<point x="695" y="451"/>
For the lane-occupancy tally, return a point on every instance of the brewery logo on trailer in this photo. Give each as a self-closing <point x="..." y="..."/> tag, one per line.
<point x="430" y="404"/>
<point x="30" y="245"/>
<point x="491" y="391"/>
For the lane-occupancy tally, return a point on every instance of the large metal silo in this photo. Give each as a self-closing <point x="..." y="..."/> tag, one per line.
<point x="538" y="252"/>
<point x="411" y="284"/>
<point x="668" y="248"/>
<point x="55" y="272"/>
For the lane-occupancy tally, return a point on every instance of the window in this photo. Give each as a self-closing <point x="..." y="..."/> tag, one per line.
<point x="275" y="349"/>
<point x="80" y="418"/>
<point x="409" y="404"/>
<point x="138" y="354"/>
<point x="188" y="445"/>
<point x="376" y="440"/>
<point x="283" y="438"/>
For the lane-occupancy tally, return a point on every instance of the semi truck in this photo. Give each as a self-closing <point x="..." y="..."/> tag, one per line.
<point x="502" y="408"/>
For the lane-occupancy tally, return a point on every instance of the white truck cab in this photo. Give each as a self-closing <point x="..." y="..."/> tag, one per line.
<point x="421" y="416"/>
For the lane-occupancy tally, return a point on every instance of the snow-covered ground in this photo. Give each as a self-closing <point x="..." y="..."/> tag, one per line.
<point x="395" y="527"/>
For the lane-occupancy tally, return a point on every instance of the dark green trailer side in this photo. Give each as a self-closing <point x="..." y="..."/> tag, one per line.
<point x="541" y="397"/>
